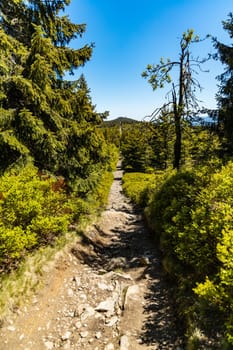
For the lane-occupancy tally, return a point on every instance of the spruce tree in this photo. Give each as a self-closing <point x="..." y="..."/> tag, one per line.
<point x="51" y="118"/>
<point x="225" y="93"/>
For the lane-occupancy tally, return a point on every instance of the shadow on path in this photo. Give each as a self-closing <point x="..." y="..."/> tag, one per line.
<point x="121" y="242"/>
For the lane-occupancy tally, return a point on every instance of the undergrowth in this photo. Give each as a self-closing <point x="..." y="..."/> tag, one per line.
<point x="190" y="213"/>
<point x="39" y="220"/>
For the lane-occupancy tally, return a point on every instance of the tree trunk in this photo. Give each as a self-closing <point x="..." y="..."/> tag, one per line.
<point x="177" y="145"/>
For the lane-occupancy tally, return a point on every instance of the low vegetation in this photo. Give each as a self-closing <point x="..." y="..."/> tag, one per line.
<point x="39" y="218"/>
<point x="190" y="213"/>
<point x="57" y="156"/>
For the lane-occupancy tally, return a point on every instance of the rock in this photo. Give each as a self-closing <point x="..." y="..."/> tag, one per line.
<point x="144" y="261"/>
<point x="77" y="280"/>
<point x="132" y="293"/>
<point x="78" y="325"/>
<point x="98" y="335"/>
<point x="83" y="296"/>
<point x="48" y="345"/>
<point x="11" y="328"/>
<point x="124" y="276"/>
<point x="80" y="309"/>
<point x="112" y="321"/>
<point x="124" y="343"/>
<point x="116" y="263"/>
<point x="104" y="286"/>
<point x="70" y="293"/>
<point x="84" y="334"/>
<point x="109" y="347"/>
<point x="89" y="312"/>
<point x="106" y="306"/>
<point x="66" y="336"/>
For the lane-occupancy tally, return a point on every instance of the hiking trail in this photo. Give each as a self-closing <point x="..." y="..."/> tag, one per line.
<point x="107" y="293"/>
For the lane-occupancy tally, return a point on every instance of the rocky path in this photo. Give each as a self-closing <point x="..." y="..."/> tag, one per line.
<point x="108" y="293"/>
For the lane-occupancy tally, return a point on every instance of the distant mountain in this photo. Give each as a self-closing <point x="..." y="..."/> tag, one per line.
<point x="120" y="120"/>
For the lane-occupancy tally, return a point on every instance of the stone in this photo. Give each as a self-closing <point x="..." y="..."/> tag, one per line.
<point x="98" y="335"/>
<point x="124" y="343"/>
<point x="116" y="263"/>
<point x="132" y="293"/>
<point x="70" y="293"/>
<point x="84" y="334"/>
<point x="48" y="345"/>
<point x="89" y="312"/>
<point x="124" y="276"/>
<point x="109" y="347"/>
<point x="83" y="296"/>
<point x="106" y="306"/>
<point x="144" y="261"/>
<point x="77" y="280"/>
<point x="80" y="309"/>
<point x="11" y="328"/>
<point x="104" y="286"/>
<point x="78" y="325"/>
<point x="112" y="321"/>
<point x="66" y="336"/>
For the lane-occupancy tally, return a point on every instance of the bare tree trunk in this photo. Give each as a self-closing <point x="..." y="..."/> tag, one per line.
<point x="178" y="111"/>
<point x="177" y="144"/>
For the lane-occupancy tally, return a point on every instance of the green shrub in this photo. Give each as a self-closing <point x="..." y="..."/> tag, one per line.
<point x="33" y="210"/>
<point x="191" y="215"/>
<point x="218" y="286"/>
<point x="13" y="242"/>
<point x="136" y="186"/>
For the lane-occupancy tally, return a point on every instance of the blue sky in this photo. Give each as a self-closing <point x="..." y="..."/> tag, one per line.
<point x="129" y="34"/>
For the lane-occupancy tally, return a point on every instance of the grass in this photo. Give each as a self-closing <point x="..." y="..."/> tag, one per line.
<point x="19" y="286"/>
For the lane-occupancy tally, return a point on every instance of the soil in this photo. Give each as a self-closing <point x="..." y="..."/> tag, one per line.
<point x="107" y="293"/>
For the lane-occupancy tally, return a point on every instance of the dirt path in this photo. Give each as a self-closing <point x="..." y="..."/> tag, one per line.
<point x="108" y="293"/>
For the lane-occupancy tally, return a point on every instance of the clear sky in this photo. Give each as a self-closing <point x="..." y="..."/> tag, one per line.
<point x="129" y="34"/>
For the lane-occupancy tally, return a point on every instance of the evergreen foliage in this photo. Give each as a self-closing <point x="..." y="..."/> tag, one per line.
<point x="43" y="115"/>
<point x="225" y="94"/>
<point x="50" y="122"/>
<point x="135" y="147"/>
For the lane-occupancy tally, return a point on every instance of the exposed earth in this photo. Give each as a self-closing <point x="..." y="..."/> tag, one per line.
<point x="107" y="293"/>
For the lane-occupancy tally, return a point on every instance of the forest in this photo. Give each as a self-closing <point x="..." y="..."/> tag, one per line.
<point x="57" y="155"/>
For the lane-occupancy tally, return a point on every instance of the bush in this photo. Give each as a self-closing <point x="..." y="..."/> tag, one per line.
<point x="218" y="207"/>
<point x="33" y="211"/>
<point x="191" y="215"/>
<point x="137" y="186"/>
